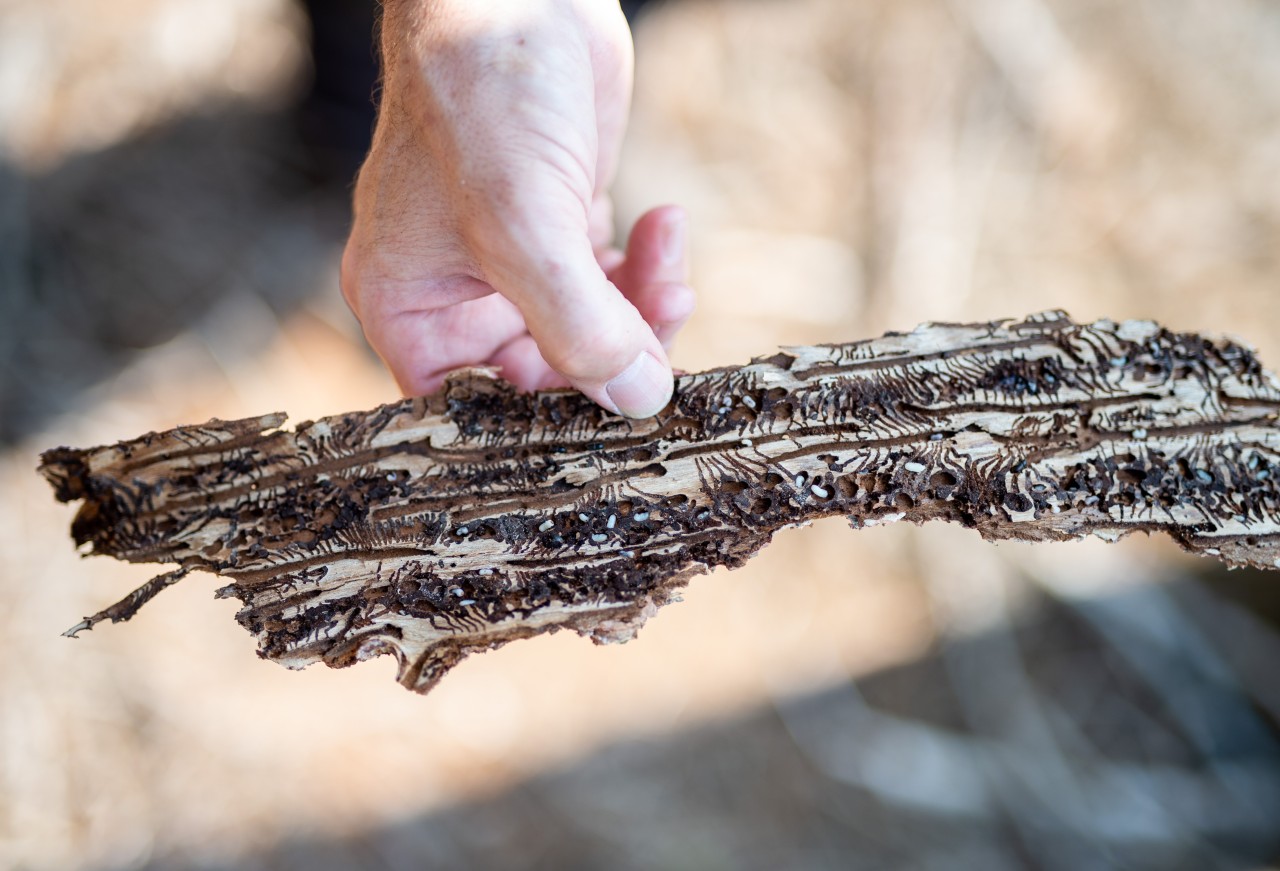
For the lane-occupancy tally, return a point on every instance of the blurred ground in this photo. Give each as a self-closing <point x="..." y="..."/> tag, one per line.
<point x="168" y="252"/>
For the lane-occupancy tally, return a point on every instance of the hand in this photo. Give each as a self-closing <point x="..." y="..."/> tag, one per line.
<point x="483" y="224"/>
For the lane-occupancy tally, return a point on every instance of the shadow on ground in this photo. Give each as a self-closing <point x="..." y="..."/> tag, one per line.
<point x="120" y="250"/>
<point x="1123" y="732"/>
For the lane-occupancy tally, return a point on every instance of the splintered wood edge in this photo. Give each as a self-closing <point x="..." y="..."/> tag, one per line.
<point x="442" y="525"/>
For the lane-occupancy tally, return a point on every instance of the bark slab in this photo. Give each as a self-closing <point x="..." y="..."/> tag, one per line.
<point x="453" y="523"/>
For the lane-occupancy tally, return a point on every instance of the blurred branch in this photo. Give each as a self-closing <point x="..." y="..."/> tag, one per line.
<point x="458" y="522"/>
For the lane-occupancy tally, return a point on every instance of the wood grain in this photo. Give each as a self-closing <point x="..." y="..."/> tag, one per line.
<point x="457" y="522"/>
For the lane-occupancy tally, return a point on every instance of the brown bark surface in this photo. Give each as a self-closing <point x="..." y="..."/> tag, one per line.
<point x="438" y="526"/>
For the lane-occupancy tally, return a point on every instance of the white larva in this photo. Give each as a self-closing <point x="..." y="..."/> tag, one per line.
<point x="462" y="530"/>
<point x="640" y="517"/>
<point x="612" y="521"/>
<point x="546" y="526"/>
<point x="599" y="537"/>
<point x="1140" y="433"/>
<point x="486" y="572"/>
<point x="820" y="492"/>
<point x="914" y="467"/>
<point x="748" y="402"/>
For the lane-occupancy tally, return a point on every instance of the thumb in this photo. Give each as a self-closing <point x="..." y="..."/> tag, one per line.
<point x="584" y="327"/>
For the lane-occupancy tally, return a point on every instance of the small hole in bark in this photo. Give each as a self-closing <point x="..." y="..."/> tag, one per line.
<point x="675" y="501"/>
<point x="783" y="410"/>
<point x="733" y="488"/>
<point x="903" y="502"/>
<point x="942" y="479"/>
<point x="846" y="487"/>
<point x="771" y="480"/>
<point x="761" y="505"/>
<point x="1017" y="502"/>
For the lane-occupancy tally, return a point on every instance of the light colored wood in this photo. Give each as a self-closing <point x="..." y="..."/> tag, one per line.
<point x="438" y="526"/>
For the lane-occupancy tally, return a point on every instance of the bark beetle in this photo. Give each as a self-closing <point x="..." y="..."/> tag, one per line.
<point x="457" y="522"/>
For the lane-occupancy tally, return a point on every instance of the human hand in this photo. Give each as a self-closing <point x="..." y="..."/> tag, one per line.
<point x="483" y="224"/>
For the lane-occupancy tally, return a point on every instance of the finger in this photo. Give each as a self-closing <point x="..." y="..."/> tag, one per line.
<point x="655" y="272"/>
<point x="600" y="222"/>
<point x="420" y="347"/>
<point x="657" y="252"/>
<point x="586" y="330"/>
<point x="613" y="58"/>
<point x="609" y="259"/>
<point x="600" y="231"/>
<point x="665" y="307"/>
<point x="522" y="363"/>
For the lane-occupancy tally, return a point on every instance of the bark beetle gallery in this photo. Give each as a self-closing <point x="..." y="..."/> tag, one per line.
<point x="457" y="522"/>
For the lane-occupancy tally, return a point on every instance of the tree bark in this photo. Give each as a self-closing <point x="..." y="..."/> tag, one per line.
<point x="457" y="522"/>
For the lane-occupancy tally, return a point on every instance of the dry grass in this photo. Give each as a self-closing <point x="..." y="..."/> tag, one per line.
<point x="850" y="167"/>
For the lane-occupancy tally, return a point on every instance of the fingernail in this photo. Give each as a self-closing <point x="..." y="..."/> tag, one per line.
<point x="643" y="389"/>
<point x="673" y="240"/>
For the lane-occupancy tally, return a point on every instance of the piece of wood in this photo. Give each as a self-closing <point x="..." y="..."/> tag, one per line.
<point x="439" y="526"/>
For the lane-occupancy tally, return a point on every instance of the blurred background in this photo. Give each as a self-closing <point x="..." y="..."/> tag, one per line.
<point x="174" y="178"/>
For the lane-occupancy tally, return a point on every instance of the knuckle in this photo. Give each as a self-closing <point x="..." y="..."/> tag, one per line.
<point x="349" y="278"/>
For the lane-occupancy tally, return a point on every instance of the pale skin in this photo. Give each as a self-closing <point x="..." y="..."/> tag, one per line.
<point x="483" y="231"/>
